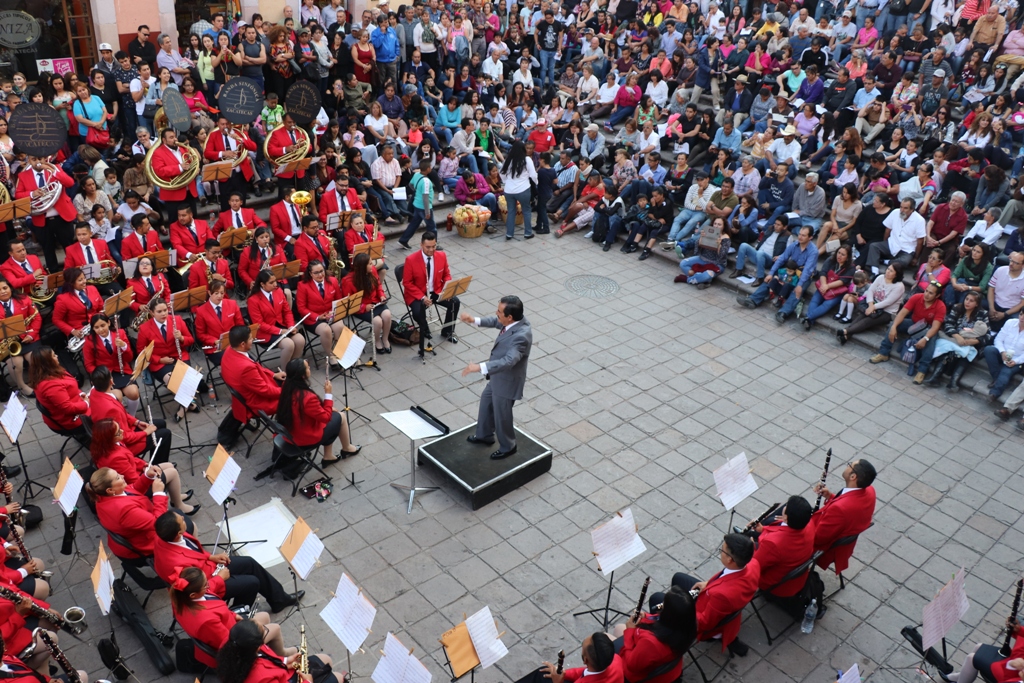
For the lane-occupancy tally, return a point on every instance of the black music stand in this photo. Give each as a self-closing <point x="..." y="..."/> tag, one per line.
<point x="29" y="482"/>
<point x="345" y="308"/>
<point x="114" y="306"/>
<point x="605" y="621"/>
<point x="186" y="300"/>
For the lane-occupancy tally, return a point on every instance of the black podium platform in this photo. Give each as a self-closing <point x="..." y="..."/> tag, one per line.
<point x="480" y="479"/>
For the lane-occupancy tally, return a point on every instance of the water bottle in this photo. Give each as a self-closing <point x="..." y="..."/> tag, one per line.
<point x="810" y="614"/>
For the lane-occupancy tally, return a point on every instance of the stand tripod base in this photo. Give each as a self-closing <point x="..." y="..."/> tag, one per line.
<point x="413" y="490"/>
<point x="606" y="610"/>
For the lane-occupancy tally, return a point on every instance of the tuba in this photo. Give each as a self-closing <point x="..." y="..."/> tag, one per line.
<point x="243" y="152"/>
<point x="288" y="157"/>
<point x="108" y="273"/>
<point x="190" y="157"/>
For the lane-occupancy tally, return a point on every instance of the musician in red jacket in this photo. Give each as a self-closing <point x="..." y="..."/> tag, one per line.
<point x="22" y="269"/>
<point x="14" y="303"/>
<point x="147" y="284"/>
<point x="52" y="226"/>
<point x="240" y="578"/>
<point x="171" y="341"/>
<point x="601" y="665"/>
<point x="189" y="236"/>
<point x="429" y="265"/>
<point x="87" y="251"/>
<point x="144" y="240"/>
<point x="286" y="220"/>
<point x="284" y="140"/>
<point x="317" y="292"/>
<point x="361" y="232"/>
<point x="57" y="394"/>
<point x="75" y="304"/>
<point x="226" y="144"/>
<point x="261" y="251"/>
<point x="211" y="268"/>
<point x="309" y="420"/>
<point x="109" y="349"/>
<point x="844" y="514"/>
<point x="245" y="658"/>
<point x="783" y="545"/>
<point x="215" y="318"/>
<point x="138" y="436"/>
<point x="269" y="308"/>
<point x="652" y="648"/>
<point x="341" y="198"/>
<point x="987" y="660"/>
<point x="726" y="592"/>
<point x="16" y="628"/>
<point x="236" y="216"/>
<point x="256" y="385"/>
<point x="313" y="244"/>
<point x="363" y="278"/>
<point x="169" y="161"/>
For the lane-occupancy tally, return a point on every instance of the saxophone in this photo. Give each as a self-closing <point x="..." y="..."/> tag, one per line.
<point x="12" y="347"/>
<point x="144" y="313"/>
<point x="303" y="651"/>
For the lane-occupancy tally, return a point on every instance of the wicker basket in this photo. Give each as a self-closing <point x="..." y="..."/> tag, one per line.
<point x="472" y="225"/>
<point x="503" y="210"/>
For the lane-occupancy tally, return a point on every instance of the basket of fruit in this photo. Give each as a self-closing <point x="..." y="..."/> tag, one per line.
<point x="471" y="220"/>
<point x="503" y="210"/>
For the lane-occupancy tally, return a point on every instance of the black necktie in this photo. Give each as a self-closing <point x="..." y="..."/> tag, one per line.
<point x="40" y="183"/>
<point x="295" y="216"/>
<point x="218" y="313"/>
<point x="10" y="308"/>
<point x="110" y="349"/>
<point x="85" y="300"/>
<point x="263" y="254"/>
<point x="191" y="544"/>
<point x="227" y="141"/>
<point x="320" y="285"/>
<point x="238" y="219"/>
<point x="149" y="285"/>
<point x="25" y="267"/>
<point x="320" y="248"/>
<point x="89" y="256"/>
<point x="430" y="283"/>
<point x="212" y="269"/>
<point x="195" y="235"/>
<point x="292" y="134"/>
<point x="163" y="331"/>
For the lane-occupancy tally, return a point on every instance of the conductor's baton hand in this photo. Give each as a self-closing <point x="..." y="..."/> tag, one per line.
<point x="472" y="367"/>
<point x="467" y="318"/>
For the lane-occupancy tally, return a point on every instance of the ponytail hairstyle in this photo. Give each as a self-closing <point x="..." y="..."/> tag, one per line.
<point x="261" y="279"/>
<point x="188" y="581"/>
<point x="237" y="656"/>
<point x="254" y="248"/>
<point x="104" y="438"/>
<point x="363" y="280"/>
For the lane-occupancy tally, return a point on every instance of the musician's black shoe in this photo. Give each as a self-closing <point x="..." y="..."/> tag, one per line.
<point x="422" y="354"/>
<point x="188" y="496"/>
<point x="498" y="455"/>
<point x="195" y="509"/>
<point x="739" y="648"/>
<point x="452" y="338"/>
<point x="291" y="599"/>
<point x="472" y="438"/>
<point x="821" y="611"/>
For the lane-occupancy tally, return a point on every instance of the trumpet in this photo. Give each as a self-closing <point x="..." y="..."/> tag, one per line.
<point x="75" y="344"/>
<point x="12" y="347"/>
<point x="190" y="160"/>
<point x="144" y="313"/>
<point x="301" y="150"/>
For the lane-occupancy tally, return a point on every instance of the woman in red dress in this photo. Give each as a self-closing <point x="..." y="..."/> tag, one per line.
<point x="364" y="56"/>
<point x="310" y="420"/>
<point x="245" y="658"/>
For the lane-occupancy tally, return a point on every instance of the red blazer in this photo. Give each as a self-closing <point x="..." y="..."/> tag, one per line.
<point x="61" y="398"/>
<point x="132" y="516"/>
<point x="199" y="275"/>
<point x="642" y="653"/>
<point x="310" y="301"/>
<point x="254" y="382"/>
<point x="306" y="251"/>
<point x="249" y="267"/>
<point x="150" y="332"/>
<point x="27" y="185"/>
<point x="722" y="596"/>
<point x="841" y="516"/>
<point x="414" y="277"/>
<point x="348" y="287"/>
<point x="166" y="166"/>
<point x="123" y="461"/>
<point x="613" y="674"/>
<point x="210" y="624"/>
<point x="18" y="671"/>
<point x="69" y="313"/>
<point x="103" y="406"/>
<point x="270" y="668"/>
<point x="329" y="203"/>
<point x="280" y="139"/>
<point x="226" y="221"/>
<point x="168" y="556"/>
<point x="998" y="669"/>
<point x="209" y="327"/>
<point x="24" y="307"/>
<point x="142" y="295"/>
<point x="780" y="550"/>
<point x="74" y="255"/>
<point x="272" y="319"/>
<point x="281" y="222"/>
<point x="216" y="144"/>
<point x="352" y="238"/>
<point x="16" y="275"/>
<point x="308" y="424"/>
<point x="183" y="242"/>
<point x="95" y="353"/>
<point x="131" y="247"/>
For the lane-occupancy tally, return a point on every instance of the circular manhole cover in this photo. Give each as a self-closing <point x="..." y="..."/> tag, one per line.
<point x="592" y="286"/>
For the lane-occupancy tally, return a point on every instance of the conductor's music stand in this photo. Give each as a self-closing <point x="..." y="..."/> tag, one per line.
<point x="416" y="424"/>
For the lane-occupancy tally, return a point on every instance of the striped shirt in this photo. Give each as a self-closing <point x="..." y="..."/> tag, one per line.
<point x="566" y="175"/>
<point x="386" y="173"/>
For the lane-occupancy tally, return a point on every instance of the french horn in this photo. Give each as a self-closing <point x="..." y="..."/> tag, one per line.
<point x="191" y="160"/>
<point x="288" y="157"/>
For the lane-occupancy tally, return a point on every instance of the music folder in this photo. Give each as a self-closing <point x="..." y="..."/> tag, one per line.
<point x="222" y="474"/>
<point x="19" y="208"/>
<point x="119" y="302"/>
<point x="142" y="361"/>
<point x="103" y="581"/>
<point x="69" y="486"/>
<point x="184" y="381"/>
<point x="374" y="250"/>
<point x="302" y="549"/>
<point x="455" y="288"/>
<point x="349" y="347"/>
<point x="459" y="648"/>
<point x="233" y="237"/>
<point x="283" y="271"/>
<point x="431" y="420"/>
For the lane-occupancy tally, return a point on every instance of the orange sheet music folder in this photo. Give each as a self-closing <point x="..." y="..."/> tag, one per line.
<point x="461" y="653"/>
<point x="19" y="208"/>
<point x="220" y="458"/>
<point x="142" y="362"/>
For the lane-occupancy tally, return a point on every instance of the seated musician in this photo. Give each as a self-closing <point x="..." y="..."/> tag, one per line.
<point x="204" y="615"/>
<point x="429" y="265"/>
<point x="236" y="216"/>
<point x="286" y="139"/>
<point x="20" y="573"/>
<point x="86" y="251"/>
<point x="310" y="420"/>
<point x="241" y="578"/>
<point x="147" y="284"/>
<point x="342" y="198"/>
<point x="313" y="244"/>
<point x="22" y="269"/>
<point x="317" y="292"/>
<point x="213" y="319"/>
<point x="225" y="144"/>
<point x="172" y="340"/>
<point x="18" y="630"/>
<point x="245" y="658"/>
<point x="13" y="302"/>
<point x="75" y="304"/>
<point x="783" y="545"/>
<point x="726" y="592"/>
<point x="109" y="349"/>
<point x="269" y="308"/>
<point x="254" y="257"/>
<point x="844" y="514"/>
<point x="600" y="665"/>
<point x="364" y="278"/>
<point x="987" y="661"/>
<point x="127" y="511"/>
<point x="139" y="437"/>
<point x="652" y="648"/>
<point x="144" y="239"/>
<point x="109" y="450"/>
<point x="57" y="394"/>
<point x="189" y="236"/>
<point x="254" y="383"/>
<point x="361" y="232"/>
<point x="210" y="268"/>
<point x="286" y="220"/>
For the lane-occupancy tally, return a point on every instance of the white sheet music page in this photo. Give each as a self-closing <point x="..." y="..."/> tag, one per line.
<point x="851" y="676"/>
<point x="69" y="496"/>
<point x="398" y="665"/>
<point x="225" y="482"/>
<point x="616" y="542"/>
<point x="734" y="481"/>
<point x="349" y="614"/>
<point x="353" y="351"/>
<point x="105" y="594"/>
<point x="13" y="418"/>
<point x="942" y="613"/>
<point x="307" y="555"/>
<point x="484" y="634"/>
<point x="411" y="424"/>
<point x="187" y="388"/>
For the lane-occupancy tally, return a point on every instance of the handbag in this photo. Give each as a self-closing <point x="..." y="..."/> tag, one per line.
<point x="832" y="293"/>
<point x="100" y="139"/>
<point x="149" y="111"/>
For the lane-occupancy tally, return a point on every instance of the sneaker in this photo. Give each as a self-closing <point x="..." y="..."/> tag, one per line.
<point x="878" y="358"/>
<point x="588" y="235"/>
<point x="667" y="246"/>
<point x="919" y="378"/>
<point x="680" y="278"/>
<point x="404" y="245"/>
<point x="644" y="254"/>
<point x="606" y="247"/>
<point x="704" y="285"/>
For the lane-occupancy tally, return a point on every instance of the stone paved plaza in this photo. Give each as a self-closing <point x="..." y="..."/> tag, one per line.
<point x="641" y="395"/>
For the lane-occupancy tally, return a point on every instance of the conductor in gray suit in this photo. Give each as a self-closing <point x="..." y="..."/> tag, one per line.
<point x="506" y="370"/>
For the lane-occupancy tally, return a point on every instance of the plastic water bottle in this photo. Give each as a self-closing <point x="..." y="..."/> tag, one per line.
<point x="809" y="616"/>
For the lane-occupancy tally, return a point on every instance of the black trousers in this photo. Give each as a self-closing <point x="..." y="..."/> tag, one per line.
<point x="229" y="430"/>
<point x="57" y="230"/>
<point x="235" y="183"/>
<point x="248" y="577"/>
<point x="419" y="314"/>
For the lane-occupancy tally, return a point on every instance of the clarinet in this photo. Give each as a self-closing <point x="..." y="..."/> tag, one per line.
<point x="561" y="662"/>
<point x="1004" y="651"/>
<point x="824" y="476"/>
<point x="760" y="520"/>
<point x="21" y="547"/>
<point x="59" y="657"/>
<point x="37" y="611"/>
<point x="117" y="344"/>
<point x="10" y="498"/>
<point x="640" y="603"/>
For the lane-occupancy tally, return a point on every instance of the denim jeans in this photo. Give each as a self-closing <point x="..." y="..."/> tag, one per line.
<point x="819" y="306"/>
<point x="760" y="259"/>
<point x="523" y="198"/>
<point x="470" y="161"/>
<point x="636" y="187"/>
<point x="620" y="115"/>
<point x="765" y="169"/>
<point x="685" y="223"/>
<point x="1001" y="374"/>
<point x="615" y="225"/>
<point x="414" y="224"/>
<point x="489" y="201"/>
<point x="696" y="278"/>
<point x="814" y="223"/>
<point x="547" y="66"/>
<point x="761" y="293"/>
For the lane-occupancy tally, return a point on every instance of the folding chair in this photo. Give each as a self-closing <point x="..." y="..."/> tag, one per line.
<point x="689" y="650"/>
<point x="83" y="439"/>
<point x="804" y="569"/>
<point x="133" y="566"/>
<point x="284" y="448"/>
<point x="840" y="542"/>
<point x="399" y="271"/>
<point x="259" y="427"/>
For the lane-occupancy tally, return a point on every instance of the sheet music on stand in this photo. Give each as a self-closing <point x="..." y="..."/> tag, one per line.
<point x="184" y="382"/>
<point x="13" y="418"/>
<point x="398" y="664"/>
<point x="412" y="425"/>
<point x="349" y="614"/>
<point x="734" y="481"/>
<point x="851" y="676"/>
<point x="349" y="347"/>
<point x="302" y="548"/>
<point x="222" y="474"/>
<point x="616" y="542"/>
<point x="69" y="486"/>
<point x="486" y="640"/>
<point x="103" y="581"/>
<point x="942" y="613"/>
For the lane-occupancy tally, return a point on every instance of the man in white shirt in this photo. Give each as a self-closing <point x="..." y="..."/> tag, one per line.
<point x="329" y="14"/>
<point x="784" y="150"/>
<point x="1006" y="291"/>
<point x="804" y="20"/>
<point x="987" y="230"/>
<point x="712" y="20"/>
<point x="1005" y="357"/>
<point x="387" y="173"/>
<point x="140" y="86"/>
<point x="494" y="67"/>
<point x="904" y="237"/>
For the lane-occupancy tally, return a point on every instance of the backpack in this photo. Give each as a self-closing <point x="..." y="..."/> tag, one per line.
<point x="461" y="47"/>
<point x="427" y="36"/>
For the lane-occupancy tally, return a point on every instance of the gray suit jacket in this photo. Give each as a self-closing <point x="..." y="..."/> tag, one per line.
<point x="506" y="368"/>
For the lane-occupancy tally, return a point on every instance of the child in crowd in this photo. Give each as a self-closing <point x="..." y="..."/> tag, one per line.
<point x="272" y="114"/>
<point x="448" y="169"/>
<point x="112" y="187"/>
<point x="850" y="300"/>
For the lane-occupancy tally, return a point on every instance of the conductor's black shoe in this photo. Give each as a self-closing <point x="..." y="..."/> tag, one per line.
<point x="498" y="455"/>
<point x="472" y="438"/>
<point x="739" y="648"/>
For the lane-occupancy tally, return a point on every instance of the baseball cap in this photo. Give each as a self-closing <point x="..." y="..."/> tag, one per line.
<point x="848" y="14"/>
<point x="592" y="127"/>
<point x="106" y="46"/>
<point x="939" y="73"/>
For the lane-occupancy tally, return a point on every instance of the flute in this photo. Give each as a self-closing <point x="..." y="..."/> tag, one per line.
<point x="760" y="520"/>
<point x="824" y="476"/>
<point x="287" y="332"/>
<point x="640" y="603"/>
<point x="1004" y="651"/>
